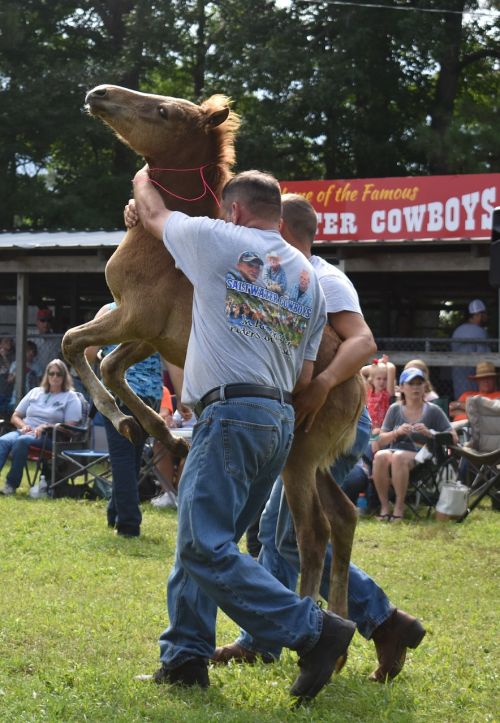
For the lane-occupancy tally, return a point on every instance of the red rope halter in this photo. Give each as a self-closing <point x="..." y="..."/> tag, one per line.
<point x="206" y="185"/>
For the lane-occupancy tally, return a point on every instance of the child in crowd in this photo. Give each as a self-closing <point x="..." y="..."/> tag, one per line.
<point x="379" y="377"/>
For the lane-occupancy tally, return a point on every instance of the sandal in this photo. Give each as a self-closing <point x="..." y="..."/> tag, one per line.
<point x="384" y="518"/>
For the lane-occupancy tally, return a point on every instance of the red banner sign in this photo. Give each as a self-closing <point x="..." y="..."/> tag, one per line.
<point x="396" y="209"/>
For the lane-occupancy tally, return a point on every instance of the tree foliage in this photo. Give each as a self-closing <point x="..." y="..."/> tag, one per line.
<point x="324" y="90"/>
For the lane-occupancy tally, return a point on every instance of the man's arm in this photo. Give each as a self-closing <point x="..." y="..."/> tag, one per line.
<point x="356" y="347"/>
<point x="149" y="204"/>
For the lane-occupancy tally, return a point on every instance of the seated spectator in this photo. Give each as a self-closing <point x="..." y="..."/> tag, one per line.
<point x="430" y="392"/>
<point x="54" y="401"/>
<point x="359" y="480"/>
<point x="408" y="425"/>
<point x="486" y="378"/>
<point x="6" y="385"/>
<point x="379" y="377"/>
<point x="33" y="371"/>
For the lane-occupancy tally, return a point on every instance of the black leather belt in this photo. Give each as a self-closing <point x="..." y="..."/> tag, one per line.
<point x="231" y="391"/>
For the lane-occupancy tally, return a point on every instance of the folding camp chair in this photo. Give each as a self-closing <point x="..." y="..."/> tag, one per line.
<point x="56" y="438"/>
<point x="89" y="461"/>
<point x="427" y="478"/>
<point x="480" y="465"/>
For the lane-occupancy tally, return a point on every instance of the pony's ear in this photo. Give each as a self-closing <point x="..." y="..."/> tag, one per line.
<point x="217" y="117"/>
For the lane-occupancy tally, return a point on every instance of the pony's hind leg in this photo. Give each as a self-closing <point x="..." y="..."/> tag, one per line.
<point x="106" y="329"/>
<point x="311" y="526"/>
<point x="113" y="368"/>
<point x="342" y="517"/>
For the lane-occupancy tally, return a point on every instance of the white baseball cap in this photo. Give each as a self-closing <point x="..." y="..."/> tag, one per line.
<point x="476" y="306"/>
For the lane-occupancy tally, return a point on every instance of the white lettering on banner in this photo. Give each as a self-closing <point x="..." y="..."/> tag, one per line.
<point x="330" y="223"/>
<point x="414" y="217"/>
<point x="378" y="225"/>
<point x="435" y="211"/>
<point x="447" y="216"/>
<point x="488" y="200"/>
<point x="452" y="214"/>
<point x="470" y="201"/>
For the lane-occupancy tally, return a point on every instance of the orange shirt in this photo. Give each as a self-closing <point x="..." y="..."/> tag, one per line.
<point x="463" y="397"/>
<point x="166" y="401"/>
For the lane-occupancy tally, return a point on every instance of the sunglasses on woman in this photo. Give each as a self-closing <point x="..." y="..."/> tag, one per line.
<point x="54" y="374"/>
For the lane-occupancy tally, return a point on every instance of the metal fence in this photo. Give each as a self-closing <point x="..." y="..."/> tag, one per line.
<point x="437" y="354"/>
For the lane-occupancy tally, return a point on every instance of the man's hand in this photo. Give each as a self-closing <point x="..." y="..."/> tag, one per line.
<point x="130" y="215"/>
<point x="185" y="411"/>
<point x="149" y="204"/>
<point x="309" y="401"/>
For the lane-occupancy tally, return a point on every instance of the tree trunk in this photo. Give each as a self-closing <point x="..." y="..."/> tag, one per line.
<point x="446" y="93"/>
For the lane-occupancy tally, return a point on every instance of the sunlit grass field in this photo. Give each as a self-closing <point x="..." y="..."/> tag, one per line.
<point x="81" y="611"/>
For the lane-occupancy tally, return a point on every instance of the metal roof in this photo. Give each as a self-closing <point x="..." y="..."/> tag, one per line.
<point x="60" y="239"/>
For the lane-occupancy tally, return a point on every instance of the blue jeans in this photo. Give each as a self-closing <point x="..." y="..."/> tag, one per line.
<point x="123" y="510"/>
<point x="367" y="602"/>
<point x="239" y="447"/>
<point x="18" y="444"/>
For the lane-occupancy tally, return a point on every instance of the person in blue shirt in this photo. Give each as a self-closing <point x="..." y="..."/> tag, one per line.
<point x="145" y="379"/>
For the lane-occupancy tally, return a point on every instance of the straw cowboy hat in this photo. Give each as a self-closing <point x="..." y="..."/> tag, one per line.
<point x="484" y="369"/>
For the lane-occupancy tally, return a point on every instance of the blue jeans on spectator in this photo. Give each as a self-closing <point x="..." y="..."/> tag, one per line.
<point x="124" y="512"/>
<point x="18" y="444"/>
<point x="367" y="602"/>
<point x="238" y="449"/>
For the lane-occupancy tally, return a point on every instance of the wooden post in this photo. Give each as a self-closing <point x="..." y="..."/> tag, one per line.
<point x="21" y="324"/>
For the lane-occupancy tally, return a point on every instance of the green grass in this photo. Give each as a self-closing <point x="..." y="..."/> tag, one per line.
<point x="81" y="611"/>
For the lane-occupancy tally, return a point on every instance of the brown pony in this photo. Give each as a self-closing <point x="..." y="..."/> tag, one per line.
<point x="190" y="150"/>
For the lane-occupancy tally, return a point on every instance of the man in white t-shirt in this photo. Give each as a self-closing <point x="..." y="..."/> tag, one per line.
<point x="377" y="619"/>
<point x="239" y="379"/>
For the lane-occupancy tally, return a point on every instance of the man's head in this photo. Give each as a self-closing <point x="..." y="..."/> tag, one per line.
<point x="486" y="377"/>
<point x="43" y="320"/>
<point x="299" y="222"/>
<point x="477" y="312"/>
<point x="252" y="197"/>
<point x="249" y="265"/>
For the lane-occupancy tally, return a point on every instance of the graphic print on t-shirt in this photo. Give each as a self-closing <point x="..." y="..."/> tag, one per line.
<point x="262" y="303"/>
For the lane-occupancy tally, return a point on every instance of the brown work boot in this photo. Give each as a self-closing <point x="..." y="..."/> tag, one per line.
<point x="398" y="632"/>
<point x="236" y="652"/>
<point x="319" y="663"/>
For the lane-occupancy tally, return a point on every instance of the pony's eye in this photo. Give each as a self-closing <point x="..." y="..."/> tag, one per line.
<point x="163" y="111"/>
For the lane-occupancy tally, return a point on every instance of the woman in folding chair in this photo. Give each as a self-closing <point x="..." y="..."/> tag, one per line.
<point x="407" y="427"/>
<point x="53" y="402"/>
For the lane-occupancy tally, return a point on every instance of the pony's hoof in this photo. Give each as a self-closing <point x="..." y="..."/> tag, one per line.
<point x="131" y="430"/>
<point x="181" y="448"/>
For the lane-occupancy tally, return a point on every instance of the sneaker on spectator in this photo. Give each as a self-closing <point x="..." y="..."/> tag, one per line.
<point x="167" y="499"/>
<point x="8" y="490"/>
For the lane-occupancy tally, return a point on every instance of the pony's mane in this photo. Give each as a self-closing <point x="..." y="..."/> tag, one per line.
<point x="224" y="135"/>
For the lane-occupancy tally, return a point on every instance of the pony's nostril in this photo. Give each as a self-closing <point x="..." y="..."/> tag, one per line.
<point x="100" y="92"/>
